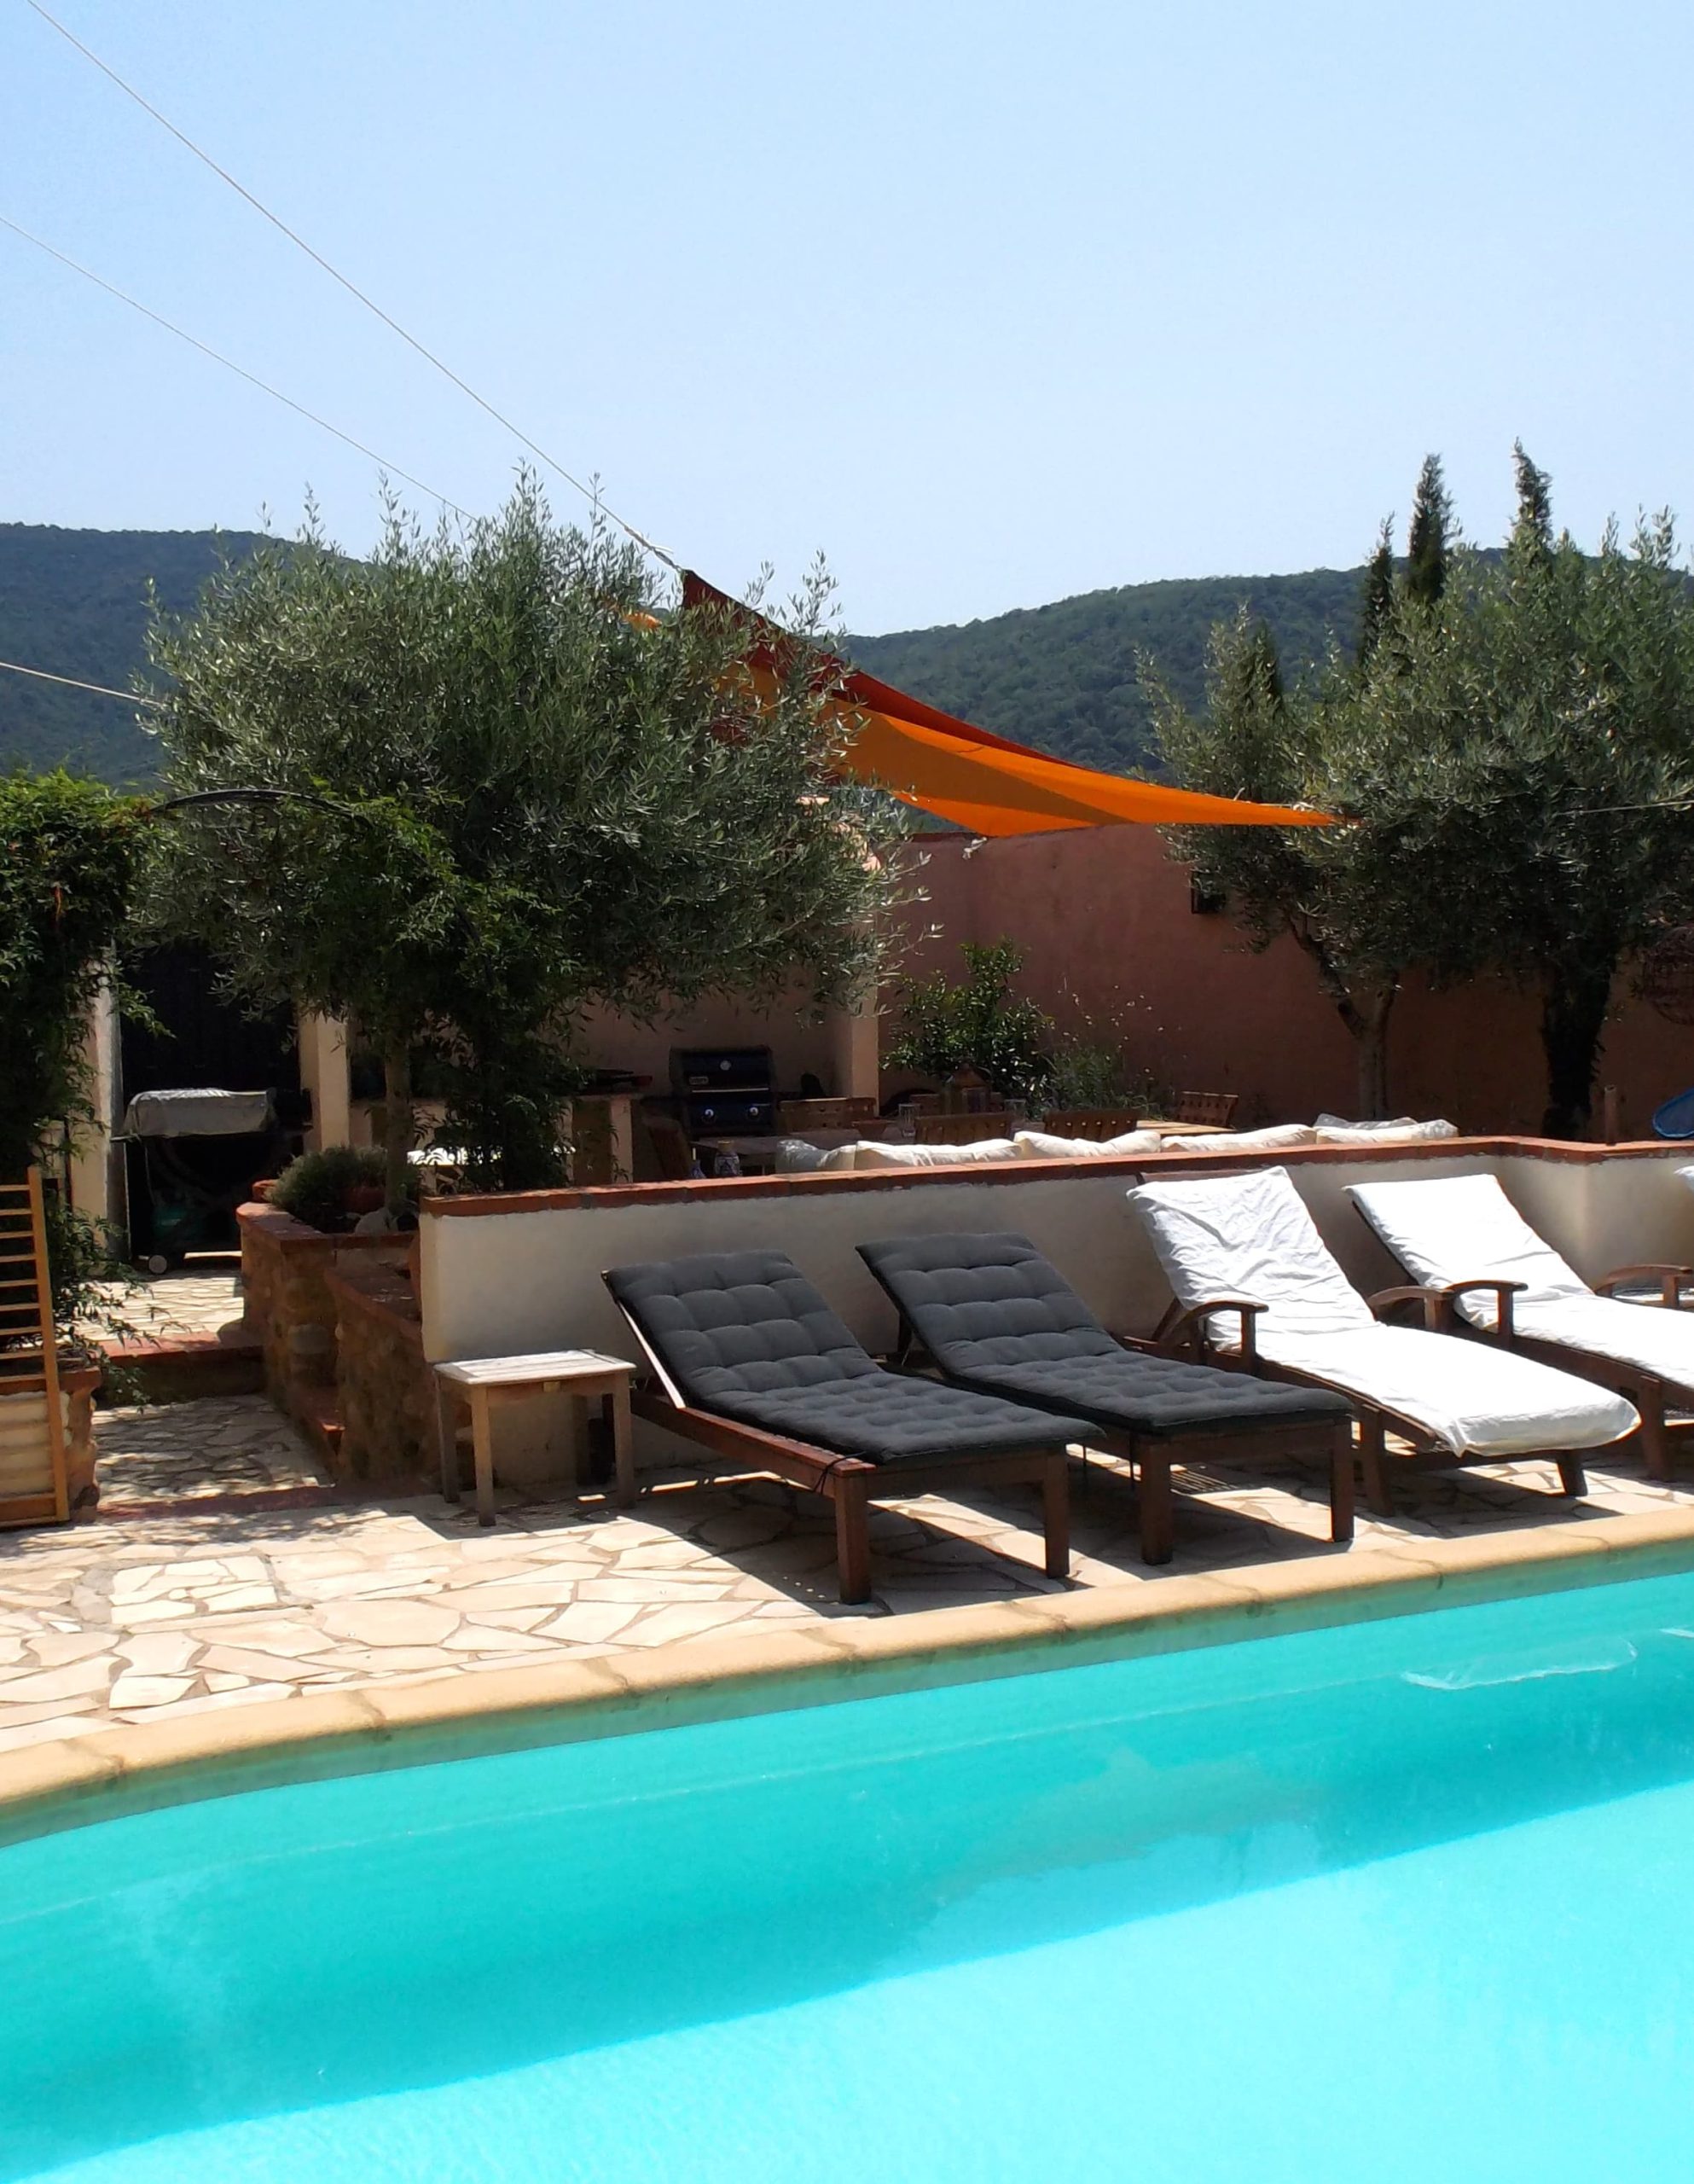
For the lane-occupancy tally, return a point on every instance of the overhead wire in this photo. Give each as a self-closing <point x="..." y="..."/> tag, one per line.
<point x="589" y="492"/>
<point x="75" y="683"/>
<point x="229" y="364"/>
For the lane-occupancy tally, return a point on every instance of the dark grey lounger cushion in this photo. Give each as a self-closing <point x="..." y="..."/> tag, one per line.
<point x="745" y="1334"/>
<point x="995" y="1315"/>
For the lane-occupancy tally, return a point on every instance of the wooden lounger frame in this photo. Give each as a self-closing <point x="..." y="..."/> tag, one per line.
<point x="1185" y="1327"/>
<point x="1153" y="1455"/>
<point x="1650" y="1392"/>
<point x="851" y="1484"/>
<point x="26" y="1315"/>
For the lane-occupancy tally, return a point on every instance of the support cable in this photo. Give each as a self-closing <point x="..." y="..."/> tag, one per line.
<point x="588" y="492"/>
<point x="240" y="370"/>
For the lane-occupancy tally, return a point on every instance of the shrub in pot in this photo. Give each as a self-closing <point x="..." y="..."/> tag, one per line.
<point x="329" y="1189"/>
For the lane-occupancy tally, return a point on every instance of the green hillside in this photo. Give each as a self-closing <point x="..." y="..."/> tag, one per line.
<point x="75" y="602"/>
<point x="1064" y="677"/>
<point x="1060" y="676"/>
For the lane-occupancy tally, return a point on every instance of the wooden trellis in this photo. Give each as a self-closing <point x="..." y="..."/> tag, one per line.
<point x="33" y="1488"/>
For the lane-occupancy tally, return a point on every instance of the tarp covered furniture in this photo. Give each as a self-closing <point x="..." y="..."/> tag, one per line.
<point x="998" y="1318"/>
<point x="1478" y="1261"/>
<point x="1251" y="1276"/>
<point x="751" y="1362"/>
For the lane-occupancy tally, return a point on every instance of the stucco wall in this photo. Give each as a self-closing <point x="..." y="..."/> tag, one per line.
<point x="1104" y="920"/>
<point x="501" y="1281"/>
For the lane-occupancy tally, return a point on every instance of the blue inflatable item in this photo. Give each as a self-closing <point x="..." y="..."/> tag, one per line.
<point x="1676" y="1118"/>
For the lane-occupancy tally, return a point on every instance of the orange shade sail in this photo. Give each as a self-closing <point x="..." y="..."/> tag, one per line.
<point x="982" y="781"/>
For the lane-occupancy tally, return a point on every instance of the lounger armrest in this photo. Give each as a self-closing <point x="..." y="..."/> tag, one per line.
<point x="1187" y="1324"/>
<point x="1440" y="1300"/>
<point x="1670" y="1279"/>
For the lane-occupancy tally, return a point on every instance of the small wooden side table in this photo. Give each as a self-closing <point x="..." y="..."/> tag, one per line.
<point x="479" y="1383"/>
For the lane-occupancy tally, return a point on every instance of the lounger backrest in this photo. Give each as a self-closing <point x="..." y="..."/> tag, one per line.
<point x="1251" y="1236"/>
<point x="975" y="1302"/>
<point x="1453" y="1228"/>
<point x="737" y="1322"/>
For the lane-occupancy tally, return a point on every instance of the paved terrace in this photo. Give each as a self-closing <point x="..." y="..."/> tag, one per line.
<point x="240" y="1576"/>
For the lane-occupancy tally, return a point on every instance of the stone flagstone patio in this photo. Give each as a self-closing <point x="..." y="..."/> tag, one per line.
<point x="209" y="1594"/>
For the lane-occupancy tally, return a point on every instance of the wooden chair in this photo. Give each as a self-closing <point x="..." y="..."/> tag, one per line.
<point x="794" y="1117"/>
<point x="1097" y="1124"/>
<point x="1216" y="1109"/>
<point x="962" y="1129"/>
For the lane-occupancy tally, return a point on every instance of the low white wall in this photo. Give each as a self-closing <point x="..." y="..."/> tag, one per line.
<point x="494" y="1283"/>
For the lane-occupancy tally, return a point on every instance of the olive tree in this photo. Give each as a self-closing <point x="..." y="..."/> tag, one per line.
<point x="510" y="781"/>
<point x="1324" y="888"/>
<point x="1544" y="711"/>
<point x="1512" y="752"/>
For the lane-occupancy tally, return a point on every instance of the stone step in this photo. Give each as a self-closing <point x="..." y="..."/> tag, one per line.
<point x="319" y="1419"/>
<point x="182" y="1367"/>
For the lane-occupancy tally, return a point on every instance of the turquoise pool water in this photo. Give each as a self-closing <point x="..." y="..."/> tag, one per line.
<point x="1411" y="1900"/>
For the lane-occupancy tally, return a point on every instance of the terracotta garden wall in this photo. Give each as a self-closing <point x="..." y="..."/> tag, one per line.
<point x="1106" y="924"/>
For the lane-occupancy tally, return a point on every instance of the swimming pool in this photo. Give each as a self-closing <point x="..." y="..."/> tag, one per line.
<point x="1400" y="1899"/>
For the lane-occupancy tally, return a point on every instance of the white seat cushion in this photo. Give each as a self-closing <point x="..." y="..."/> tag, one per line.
<point x="1040" y="1145"/>
<point x="1332" y="1129"/>
<point x="1652" y="1340"/>
<point x="1251" y="1236"/>
<point x="1276" y="1137"/>
<point x="872" y="1154"/>
<point x="1473" y="1398"/>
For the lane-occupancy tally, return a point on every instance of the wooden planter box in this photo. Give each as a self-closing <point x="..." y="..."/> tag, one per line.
<point x="29" y="1492"/>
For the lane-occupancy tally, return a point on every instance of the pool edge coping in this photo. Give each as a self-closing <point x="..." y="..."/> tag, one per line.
<point x="129" y="1768"/>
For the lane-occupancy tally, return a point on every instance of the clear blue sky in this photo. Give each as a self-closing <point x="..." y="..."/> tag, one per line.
<point x="993" y="303"/>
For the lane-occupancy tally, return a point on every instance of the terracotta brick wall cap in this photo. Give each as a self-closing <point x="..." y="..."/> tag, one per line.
<point x="1222" y="1161"/>
<point x="291" y="1236"/>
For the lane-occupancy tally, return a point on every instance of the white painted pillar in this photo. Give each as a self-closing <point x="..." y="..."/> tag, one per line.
<point x="324" y="1073"/>
<point x="96" y="1175"/>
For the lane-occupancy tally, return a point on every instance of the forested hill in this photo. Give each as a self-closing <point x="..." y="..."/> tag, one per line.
<point x="1061" y="676"/>
<point x="75" y="602"/>
<point x="1064" y="677"/>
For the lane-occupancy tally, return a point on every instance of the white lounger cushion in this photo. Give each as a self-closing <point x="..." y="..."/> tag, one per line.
<point x="1275" y="1137"/>
<point x="1251" y="1236"/>
<point x="1040" y="1145"/>
<point x="1453" y="1227"/>
<point x="1461" y="1226"/>
<point x="1334" y="1130"/>
<point x="872" y="1154"/>
<point x="1474" y="1399"/>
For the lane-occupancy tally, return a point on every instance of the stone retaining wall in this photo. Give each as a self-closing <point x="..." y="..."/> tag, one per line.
<point x="385" y="1389"/>
<point x="286" y="1271"/>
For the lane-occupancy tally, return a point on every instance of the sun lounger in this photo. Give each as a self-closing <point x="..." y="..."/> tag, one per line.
<point x="1479" y="1261"/>
<point x="751" y="1362"/>
<point x="995" y="1316"/>
<point x="1252" y="1276"/>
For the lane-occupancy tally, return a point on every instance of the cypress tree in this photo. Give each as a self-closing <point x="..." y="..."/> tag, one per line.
<point x="1378" y="601"/>
<point x="1428" y="545"/>
<point x="1534" y="528"/>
